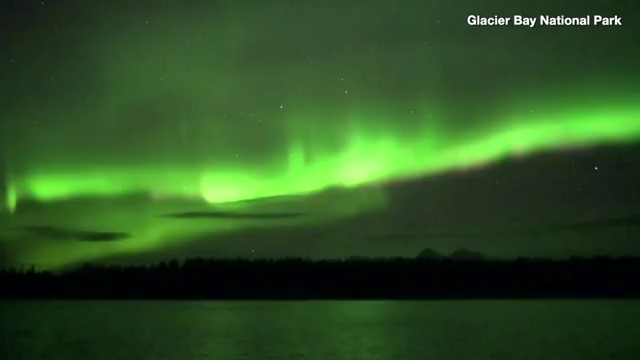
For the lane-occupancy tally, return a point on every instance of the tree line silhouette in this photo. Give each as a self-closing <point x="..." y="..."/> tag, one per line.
<point x="353" y="278"/>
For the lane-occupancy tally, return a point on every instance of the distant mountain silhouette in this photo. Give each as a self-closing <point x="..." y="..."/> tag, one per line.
<point x="466" y="254"/>
<point x="429" y="253"/>
<point x="458" y="254"/>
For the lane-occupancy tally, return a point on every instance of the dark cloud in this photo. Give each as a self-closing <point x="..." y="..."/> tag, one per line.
<point x="579" y="226"/>
<point x="268" y="200"/>
<point x="626" y="221"/>
<point x="233" y="215"/>
<point x="427" y="235"/>
<point x="63" y="233"/>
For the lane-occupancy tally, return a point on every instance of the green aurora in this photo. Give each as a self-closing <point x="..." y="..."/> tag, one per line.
<point x="360" y="156"/>
<point x="362" y="148"/>
<point x="115" y="118"/>
<point x="363" y="156"/>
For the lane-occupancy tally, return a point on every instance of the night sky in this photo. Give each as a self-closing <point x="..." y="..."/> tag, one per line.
<point x="145" y="130"/>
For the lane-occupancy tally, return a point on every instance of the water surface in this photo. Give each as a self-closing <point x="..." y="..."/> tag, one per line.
<point x="330" y="330"/>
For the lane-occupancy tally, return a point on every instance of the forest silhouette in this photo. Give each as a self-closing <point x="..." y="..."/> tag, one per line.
<point x="461" y="276"/>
